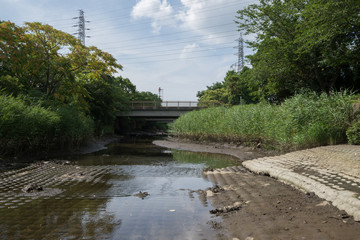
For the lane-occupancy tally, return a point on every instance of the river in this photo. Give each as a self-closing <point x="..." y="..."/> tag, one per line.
<point x="132" y="190"/>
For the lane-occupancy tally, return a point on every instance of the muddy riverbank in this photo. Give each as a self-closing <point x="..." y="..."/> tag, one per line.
<point x="253" y="206"/>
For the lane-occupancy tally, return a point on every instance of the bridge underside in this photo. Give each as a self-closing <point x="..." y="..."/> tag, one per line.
<point x="155" y="115"/>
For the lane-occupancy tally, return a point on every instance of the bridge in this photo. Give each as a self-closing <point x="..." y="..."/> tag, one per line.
<point x="166" y="111"/>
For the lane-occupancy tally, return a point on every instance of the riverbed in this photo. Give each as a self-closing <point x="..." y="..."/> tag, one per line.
<point x="131" y="190"/>
<point x="137" y="190"/>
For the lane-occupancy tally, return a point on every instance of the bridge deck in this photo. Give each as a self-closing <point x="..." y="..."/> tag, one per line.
<point x="166" y="105"/>
<point x="168" y="110"/>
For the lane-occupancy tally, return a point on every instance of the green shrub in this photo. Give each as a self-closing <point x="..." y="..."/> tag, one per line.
<point x="353" y="133"/>
<point x="305" y="120"/>
<point x="29" y="128"/>
<point x="23" y="126"/>
<point x="74" y="126"/>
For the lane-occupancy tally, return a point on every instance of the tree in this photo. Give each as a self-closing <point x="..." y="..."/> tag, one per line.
<point x="233" y="90"/>
<point x="215" y="86"/>
<point x="49" y="60"/>
<point x="302" y="44"/>
<point x="215" y="97"/>
<point x="275" y="70"/>
<point x="146" y="96"/>
<point x="237" y="87"/>
<point x="330" y="35"/>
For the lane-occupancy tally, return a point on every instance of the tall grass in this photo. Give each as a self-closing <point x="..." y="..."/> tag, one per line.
<point x="31" y="128"/>
<point x="305" y="120"/>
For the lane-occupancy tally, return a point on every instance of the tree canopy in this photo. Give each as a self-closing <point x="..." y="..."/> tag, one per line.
<point x="45" y="65"/>
<point x="232" y="91"/>
<point x="300" y="44"/>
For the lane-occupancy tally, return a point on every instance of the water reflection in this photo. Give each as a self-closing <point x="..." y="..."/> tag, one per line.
<point x="79" y="210"/>
<point x="205" y="159"/>
<point x="97" y="198"/>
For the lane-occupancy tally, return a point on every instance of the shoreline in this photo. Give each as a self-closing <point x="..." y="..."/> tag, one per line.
<point x="92" y="145"/>
<point x="241" y="152"/>
<point x="268" y="192"/>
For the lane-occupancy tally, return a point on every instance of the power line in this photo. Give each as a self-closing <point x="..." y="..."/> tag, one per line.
<point x="173" y="33"/>
<point x="178" y="59"/>
<point x="204" y="9"/>
<point x="175" y="53"/>
<point x="146" y="27"/>
<point x="223" y="5"/>
<point x="174" y="42"/>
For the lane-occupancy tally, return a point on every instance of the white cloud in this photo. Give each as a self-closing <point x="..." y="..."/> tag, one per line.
<point x="171" y="60"/>
<point x="160" y="11"/>
<point x="188" y="49"/>
<point x="198" y="15"/>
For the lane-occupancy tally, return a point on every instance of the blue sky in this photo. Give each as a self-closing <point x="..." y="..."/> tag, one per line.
<point x="181" y="46"/>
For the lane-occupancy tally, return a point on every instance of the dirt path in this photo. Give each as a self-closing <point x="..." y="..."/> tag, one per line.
<point x="253" y="206"/>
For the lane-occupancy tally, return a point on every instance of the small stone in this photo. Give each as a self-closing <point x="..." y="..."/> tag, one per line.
<point x="322" y="204"/>
<point x="142" y="195"/>
<point x="32" y="188"/>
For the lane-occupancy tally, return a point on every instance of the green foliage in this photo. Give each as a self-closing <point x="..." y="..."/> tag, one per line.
<point x="74" y="126"/>
<point x="145" y="96"/>
<point x="25" y="128"/>
<point x="302" y="44"/>
<point x="53" y="76"/>
<point x="22" y="125"/>
<point x="215" y="86"/>
<point x="353" y="133"/>
<point x="39" y="57"/>
<point x="106" y="97"/>
<point x="10" y="85"/>
<point x="306" y="120"/>
<point x="233" y="90"/>
<point x="217" y="96"/>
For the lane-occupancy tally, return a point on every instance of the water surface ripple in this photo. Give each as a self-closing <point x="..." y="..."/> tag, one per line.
<point x="97" y="196"/>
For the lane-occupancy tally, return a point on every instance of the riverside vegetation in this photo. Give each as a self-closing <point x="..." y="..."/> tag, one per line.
<point x="304" y="120"/>
<point x="56" y="93"/>
<point x="308" y="47"/>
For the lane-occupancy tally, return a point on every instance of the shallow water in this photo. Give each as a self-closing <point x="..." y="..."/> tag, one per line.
<point x="96" y="198"/>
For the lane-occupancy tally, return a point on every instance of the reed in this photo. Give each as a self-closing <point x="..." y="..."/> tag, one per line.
<point x="26" y="128"/>
<point x="305" y="120"/>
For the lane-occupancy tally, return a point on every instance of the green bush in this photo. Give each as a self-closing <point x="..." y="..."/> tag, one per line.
<point x="23" y="126"/>
<point x="305" y="120"/>
<point x="74" y="126"/>
<point x="28" y="128"/>
<point x="353" y="133"/>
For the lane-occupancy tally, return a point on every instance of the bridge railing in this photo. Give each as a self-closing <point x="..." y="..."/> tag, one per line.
<point x="148" y="105"/>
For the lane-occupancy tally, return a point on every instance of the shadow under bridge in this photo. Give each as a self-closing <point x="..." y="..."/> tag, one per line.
<point x="166" y="111"/>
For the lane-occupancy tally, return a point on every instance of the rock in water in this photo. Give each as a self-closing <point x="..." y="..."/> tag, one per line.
<point x="32" y="188"/>
<point x="141" y="194"/>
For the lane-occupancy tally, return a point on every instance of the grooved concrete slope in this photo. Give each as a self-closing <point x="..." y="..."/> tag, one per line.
<point x="331" y="172"/>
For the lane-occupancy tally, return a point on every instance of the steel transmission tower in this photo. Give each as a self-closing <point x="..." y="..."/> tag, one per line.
<point x="240" y="63"/>
<point x="81" y="27"/>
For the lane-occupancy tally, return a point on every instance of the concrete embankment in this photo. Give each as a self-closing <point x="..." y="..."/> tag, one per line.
<point x="331" y="172"/>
